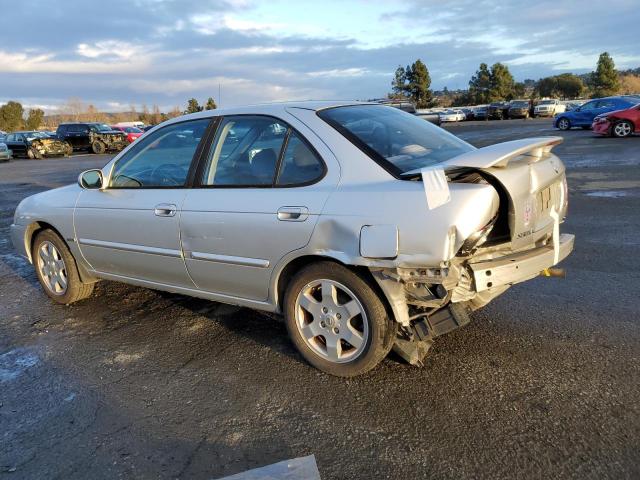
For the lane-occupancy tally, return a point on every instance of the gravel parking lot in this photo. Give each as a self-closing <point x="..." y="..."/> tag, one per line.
<point x="134" y="383"/>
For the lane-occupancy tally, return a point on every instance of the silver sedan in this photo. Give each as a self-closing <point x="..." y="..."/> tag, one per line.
<point x="368" y="228"/>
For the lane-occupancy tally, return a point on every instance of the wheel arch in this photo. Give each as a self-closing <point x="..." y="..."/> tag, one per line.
<point x="38" y="226"/>
<point x="293" y="266"/>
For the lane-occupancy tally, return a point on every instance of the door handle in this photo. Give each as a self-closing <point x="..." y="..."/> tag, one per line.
<point x="293" y="214"/>
<point x="165" y="210"/>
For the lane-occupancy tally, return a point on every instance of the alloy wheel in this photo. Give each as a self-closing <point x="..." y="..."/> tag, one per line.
<point x="331" y="320"/>
<point x="622" y="129"/>
<point x="52" y="269"/>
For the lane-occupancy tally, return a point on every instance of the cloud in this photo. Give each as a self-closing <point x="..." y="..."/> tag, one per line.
<point x="165" y="51"/>
<point x="110" y="49"/>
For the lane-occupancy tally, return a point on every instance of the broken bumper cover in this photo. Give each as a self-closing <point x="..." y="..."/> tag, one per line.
<point x="521" y="266"/>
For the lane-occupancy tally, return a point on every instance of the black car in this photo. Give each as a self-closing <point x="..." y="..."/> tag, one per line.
<point x="469" y="114"/>
<point x="498" y="111"/>
<point x="480" y="113"/>
<point x="33" y="144"/>
<point x="519" y="109"/>
<point x="94" y="137"/>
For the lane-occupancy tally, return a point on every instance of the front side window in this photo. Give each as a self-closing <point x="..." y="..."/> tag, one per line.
<point x="399" y="141"/>
<point x="100" y="127"/>
<point x="245" y="152"/>
<point x="588" y="106"/>
<point x="161" y="160"/>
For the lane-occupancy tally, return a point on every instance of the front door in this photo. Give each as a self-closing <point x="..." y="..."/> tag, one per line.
<point x="131" y="229"/>
<point x="261" y="191"/>
<point x="17" y="144"/>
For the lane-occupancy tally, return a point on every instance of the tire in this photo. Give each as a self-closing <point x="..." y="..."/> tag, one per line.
<point x="622" y="129"/>
<point x="564" y="123"/>
<point x="57" y="270"/>
<point x="98" y="147"/>
<point x="33" y="154"/>
<point x="344" y="292"/>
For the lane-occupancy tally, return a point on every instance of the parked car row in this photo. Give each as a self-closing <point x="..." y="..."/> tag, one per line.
<point x="90" y="137"/>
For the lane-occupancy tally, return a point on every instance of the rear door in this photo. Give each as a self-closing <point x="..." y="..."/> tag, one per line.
<point x="131" y="229"/>
<point x="261" y="189"/>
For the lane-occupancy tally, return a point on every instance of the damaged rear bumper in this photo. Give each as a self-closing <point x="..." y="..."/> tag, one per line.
<point x="521" y="266"/>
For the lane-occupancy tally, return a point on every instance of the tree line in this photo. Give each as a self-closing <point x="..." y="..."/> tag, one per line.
<point x="13" y="116"/>
<point x="496" y="83"/>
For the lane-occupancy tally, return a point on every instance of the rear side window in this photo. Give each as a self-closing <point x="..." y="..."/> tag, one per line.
<point x="161" y="160"/>
<point x="398" y="141"/>
<point x="300" y="164"/>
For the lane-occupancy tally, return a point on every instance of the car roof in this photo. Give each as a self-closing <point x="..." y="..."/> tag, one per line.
<point x="273" y="108"/>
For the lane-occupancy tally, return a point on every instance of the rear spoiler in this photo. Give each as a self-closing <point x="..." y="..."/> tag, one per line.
<point x="500" y="154"/>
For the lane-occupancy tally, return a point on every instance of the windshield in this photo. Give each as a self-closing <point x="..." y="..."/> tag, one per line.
<point x="399" y="141"/>
<point x="32" y="135"/>
<point x="520" y="104"/>
<point x="101" y="127"/>
<point x="132" y="130"/>
<point x="547" y="102"/>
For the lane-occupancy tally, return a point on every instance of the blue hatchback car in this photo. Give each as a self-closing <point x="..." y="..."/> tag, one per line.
<point x="583" y="115"/>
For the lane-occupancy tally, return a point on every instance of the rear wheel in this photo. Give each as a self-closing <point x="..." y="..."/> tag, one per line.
<point x="622" y="129"/>
<point x="98" y="147"/>
<point x="564" y="123"/>
<point x="56" y="269"/>
<point x="336" y="320"/>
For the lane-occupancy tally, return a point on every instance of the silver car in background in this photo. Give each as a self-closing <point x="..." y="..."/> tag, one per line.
<point x="5" y="153"/>
<point x="367" y="227"/>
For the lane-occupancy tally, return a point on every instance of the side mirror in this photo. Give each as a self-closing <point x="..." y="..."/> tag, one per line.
<point x="91" y="179"/>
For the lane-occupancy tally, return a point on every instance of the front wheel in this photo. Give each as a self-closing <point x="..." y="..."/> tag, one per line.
<point x="622" y="129"/>
<point x="564" y="124"/>
<point x="57" y="270"/>
<point x="32" y="154"/>
<point x="98" y="147"/>
<point x="336" y="320"/>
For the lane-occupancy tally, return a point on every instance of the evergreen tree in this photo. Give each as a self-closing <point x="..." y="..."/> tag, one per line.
<point x="479" y="85"/>
<point x="193" y="106"/>
<point x="34" y="119"/>
<point x="211" y="104"/>
<point x="11" y="116"/>
<point x="605" y="79"/>
<point x="501" y="84"/>
<point x="399" y="82"/>
<point x="418" y="83"/>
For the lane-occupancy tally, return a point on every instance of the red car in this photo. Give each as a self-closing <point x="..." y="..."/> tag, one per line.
<point x="132" y="132"/>
<point x="621" y="123"/>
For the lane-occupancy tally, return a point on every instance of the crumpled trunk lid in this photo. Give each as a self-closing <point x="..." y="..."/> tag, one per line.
<point x="534" y="181"/>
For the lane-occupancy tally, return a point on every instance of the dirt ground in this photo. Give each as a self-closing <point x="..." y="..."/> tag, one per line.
<point x="135" y="383"/>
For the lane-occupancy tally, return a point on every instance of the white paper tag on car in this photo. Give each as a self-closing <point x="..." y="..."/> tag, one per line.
<point x="436" y="187"/>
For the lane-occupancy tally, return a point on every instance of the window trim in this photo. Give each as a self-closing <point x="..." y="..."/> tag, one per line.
<point x="195" y="159"/>
<point x="203" y="160"/>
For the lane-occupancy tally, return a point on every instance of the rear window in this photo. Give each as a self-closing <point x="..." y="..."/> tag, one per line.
<point x="398" y="141"/>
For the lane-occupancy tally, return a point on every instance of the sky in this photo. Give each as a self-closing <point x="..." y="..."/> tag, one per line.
<point x="117" y="53"/>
